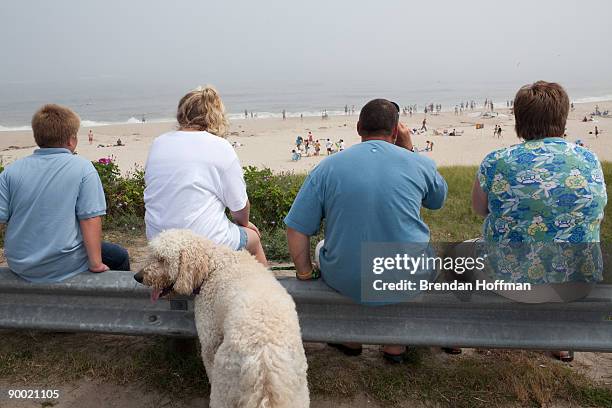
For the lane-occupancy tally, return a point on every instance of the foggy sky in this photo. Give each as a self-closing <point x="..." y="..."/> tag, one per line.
<point x="241" y="42"/>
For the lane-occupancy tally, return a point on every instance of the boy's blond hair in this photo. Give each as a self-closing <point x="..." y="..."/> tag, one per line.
<point x="54" y="125"/>
<point x="202" y="109"/>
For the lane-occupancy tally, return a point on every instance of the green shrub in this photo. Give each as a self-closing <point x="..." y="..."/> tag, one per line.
<point x="124" y="194"/>
<point x="271" y="195"/>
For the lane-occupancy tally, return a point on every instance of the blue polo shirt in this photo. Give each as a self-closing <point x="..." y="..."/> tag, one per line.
<point x="371" y="192"/>
<point x="42" y="199"/>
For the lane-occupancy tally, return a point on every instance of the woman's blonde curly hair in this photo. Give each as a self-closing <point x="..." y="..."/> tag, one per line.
<point x="202" y="109"/>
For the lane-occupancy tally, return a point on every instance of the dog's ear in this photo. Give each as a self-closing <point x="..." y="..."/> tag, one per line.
<point x="192" y="271"/>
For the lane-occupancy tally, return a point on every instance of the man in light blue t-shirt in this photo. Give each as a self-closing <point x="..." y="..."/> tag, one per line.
<point x="371" y="192"/>
<point x="52" y="202"/>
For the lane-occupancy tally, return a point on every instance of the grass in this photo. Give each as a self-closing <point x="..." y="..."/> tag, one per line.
<point x="31" y="358"/>
<point x="479" y="379"/>
<point x="455" y="222"/>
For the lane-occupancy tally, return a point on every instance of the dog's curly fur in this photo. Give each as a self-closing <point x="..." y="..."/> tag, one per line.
<point x="246" y="321"/>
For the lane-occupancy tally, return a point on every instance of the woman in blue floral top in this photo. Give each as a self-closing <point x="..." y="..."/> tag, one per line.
<point x="543" y="200"/>
<point x="542" y="190"/>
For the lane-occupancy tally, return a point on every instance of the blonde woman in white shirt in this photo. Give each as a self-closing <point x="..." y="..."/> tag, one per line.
<point x="193" y="174"/>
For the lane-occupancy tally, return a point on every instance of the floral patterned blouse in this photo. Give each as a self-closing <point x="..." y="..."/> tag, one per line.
<point x="547" y="194"/>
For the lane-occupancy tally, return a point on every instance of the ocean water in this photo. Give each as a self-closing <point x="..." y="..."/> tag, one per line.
<point x="103" y="101"/>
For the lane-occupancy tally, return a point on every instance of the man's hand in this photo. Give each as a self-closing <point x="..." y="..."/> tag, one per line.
<point x="404" y="137"/>
<point x="99" y="268"/>
<point x="253" y="227"/>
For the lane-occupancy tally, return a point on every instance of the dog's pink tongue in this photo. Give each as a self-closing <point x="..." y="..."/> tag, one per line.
<point x="155" y="293"/>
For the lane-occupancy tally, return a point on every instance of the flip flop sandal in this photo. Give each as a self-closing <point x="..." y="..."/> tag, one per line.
<point x="566" y="358"/>
<point x="349" y="351"/>
<point x="394" y="358"/>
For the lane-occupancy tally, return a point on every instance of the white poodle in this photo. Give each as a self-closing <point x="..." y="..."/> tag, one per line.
<point x="246" y="321"/>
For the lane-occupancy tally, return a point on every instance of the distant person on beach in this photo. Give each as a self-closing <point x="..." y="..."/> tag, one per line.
<point x="310" y="137"/>
<point x="90" y="136"/>
<point x="309" y="149"/>
<point x="596" y="132"/>
<point x="53" y="203"/>
<point x="499" y="132"/>
<point x="424" y="125"/>
<point x="284" y="114"/>
<point x="317" y="148"/>
<point x="295" y="155"/>
<point x="298" y="141"/>
<point x="392" y="185"/>
<point x="329" y="146"/>
<point x="119" y="143"/>
<point x="341" y="145"/>
<point x="542" y="191"/>
<point x="193" y="175"/>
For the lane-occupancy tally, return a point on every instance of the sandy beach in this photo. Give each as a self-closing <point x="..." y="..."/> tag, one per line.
<point x="268" y="142"/>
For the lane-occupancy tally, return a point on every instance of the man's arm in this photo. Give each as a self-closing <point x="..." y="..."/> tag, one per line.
<point x="437" y="191"/>
<point x="303" y="221"/>
<point x="299" y="249"/>
<point x="480" y="202"/>
<point x="91" y="230"/>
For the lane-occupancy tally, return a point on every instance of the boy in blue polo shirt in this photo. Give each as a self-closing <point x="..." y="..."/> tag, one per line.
<point x="52" y="202"/>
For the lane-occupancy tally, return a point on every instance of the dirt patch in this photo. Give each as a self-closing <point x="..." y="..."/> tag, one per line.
<point x="596" y="366"/>
<point x="124" y="371"/>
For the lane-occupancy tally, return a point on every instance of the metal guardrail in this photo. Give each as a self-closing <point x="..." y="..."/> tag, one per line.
<point x="113" y="302"/>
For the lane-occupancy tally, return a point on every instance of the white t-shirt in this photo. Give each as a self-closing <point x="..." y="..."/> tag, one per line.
<point x="191" y="178"/>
